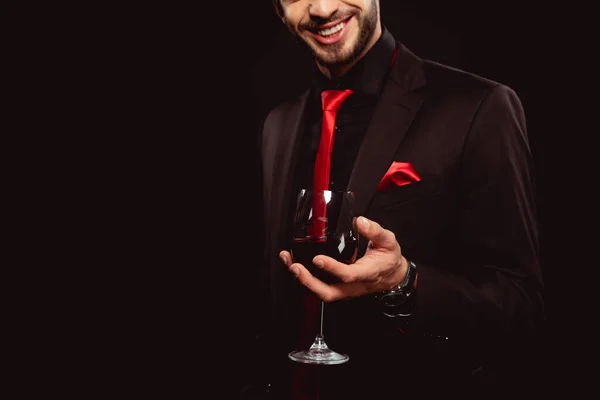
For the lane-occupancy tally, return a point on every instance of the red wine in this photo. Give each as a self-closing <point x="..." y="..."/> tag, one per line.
<point x="304" y="250"/>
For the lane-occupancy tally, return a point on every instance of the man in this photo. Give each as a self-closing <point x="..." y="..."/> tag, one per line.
<point x="446" y="292"/>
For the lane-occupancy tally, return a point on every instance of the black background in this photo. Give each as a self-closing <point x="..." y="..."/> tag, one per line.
<point x="151" y="114"/>
<point x="202" y="89"/>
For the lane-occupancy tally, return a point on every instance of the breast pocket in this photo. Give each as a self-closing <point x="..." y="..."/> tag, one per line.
<point x="400" y="196"/>
<point x="415" y="213"/>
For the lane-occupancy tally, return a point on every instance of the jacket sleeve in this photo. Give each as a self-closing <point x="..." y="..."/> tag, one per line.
<point x="492" y="286"/>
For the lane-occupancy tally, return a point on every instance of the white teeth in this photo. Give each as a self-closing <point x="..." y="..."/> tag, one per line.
<point x="332" y="30"/>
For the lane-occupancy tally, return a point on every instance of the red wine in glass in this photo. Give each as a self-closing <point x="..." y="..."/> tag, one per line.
<point x="342" y="249"/>
<point x="324" y="224"/>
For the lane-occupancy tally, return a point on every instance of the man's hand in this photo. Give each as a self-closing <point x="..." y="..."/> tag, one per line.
<point x="381" y="268"/>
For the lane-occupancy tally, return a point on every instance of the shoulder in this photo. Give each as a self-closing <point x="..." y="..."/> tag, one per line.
<point x="450" y="81"/>
<point x="466" y="89"/>
<point x="280" y="112"/>
<point x="278" y="119"/>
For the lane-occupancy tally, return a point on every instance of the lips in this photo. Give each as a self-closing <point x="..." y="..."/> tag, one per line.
<point x="332" y="32"/>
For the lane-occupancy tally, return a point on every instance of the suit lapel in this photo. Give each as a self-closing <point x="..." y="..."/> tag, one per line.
<point x="392" y="117"/>
<point x="288" y="146"/>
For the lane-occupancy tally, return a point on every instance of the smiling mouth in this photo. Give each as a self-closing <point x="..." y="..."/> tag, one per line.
<point x="333" y="30"/>
<point x="331" y="33"/>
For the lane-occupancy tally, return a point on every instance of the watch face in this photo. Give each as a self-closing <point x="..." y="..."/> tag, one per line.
<point x="395" y="305"/>
<point x="394" y="299"/>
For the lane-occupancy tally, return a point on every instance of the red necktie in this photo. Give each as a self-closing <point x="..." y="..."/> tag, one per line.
<point x="331" y="102"/>
<point x="306" y="383"/>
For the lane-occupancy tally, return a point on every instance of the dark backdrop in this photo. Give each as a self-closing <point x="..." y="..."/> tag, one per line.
<point x="163" y="104"/>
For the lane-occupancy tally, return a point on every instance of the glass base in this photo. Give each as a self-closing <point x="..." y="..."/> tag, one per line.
<point x="319" y="354"/>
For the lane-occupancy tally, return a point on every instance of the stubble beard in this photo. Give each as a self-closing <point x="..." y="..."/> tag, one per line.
<point x="335" y="54"/>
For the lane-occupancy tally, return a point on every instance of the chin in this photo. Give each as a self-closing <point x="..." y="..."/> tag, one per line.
<point x="335" y="54"/>
<point x="339" y="58"/>
<point x="330" y="62"/>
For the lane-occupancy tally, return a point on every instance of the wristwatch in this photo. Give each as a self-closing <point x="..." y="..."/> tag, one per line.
<point x="399" y="301"/>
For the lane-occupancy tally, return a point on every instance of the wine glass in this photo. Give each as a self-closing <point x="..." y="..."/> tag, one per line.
<point x="324" y="223"/>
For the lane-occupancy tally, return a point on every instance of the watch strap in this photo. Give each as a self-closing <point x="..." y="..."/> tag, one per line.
<point x="400" y="300"/>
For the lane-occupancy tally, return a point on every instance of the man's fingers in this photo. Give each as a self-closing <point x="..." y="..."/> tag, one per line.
<point x="365" y="270"/>
<point x="286" y="257"/>
<point x="351" y="286"/>
<point x="374" y="232"/>
<point x="333" y="267"/>
<point x="329" y="293"/>
<point x="320" y="288"/>
<point x="344" y="272"/>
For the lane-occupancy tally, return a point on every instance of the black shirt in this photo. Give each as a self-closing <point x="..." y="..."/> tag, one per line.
<point x="366" y="80"/>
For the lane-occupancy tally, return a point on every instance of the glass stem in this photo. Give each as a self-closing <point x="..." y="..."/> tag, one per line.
<point x="321" y="321"/>
<point x="319" y="343"/>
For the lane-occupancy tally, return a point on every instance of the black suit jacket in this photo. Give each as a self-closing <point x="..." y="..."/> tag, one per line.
<point x="469" y="225"/>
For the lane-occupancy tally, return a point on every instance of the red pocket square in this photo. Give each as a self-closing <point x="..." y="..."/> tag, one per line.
<point x="399" y="174"/>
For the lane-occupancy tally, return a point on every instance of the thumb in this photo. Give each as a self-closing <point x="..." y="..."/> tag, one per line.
<point x="374" y="232"/>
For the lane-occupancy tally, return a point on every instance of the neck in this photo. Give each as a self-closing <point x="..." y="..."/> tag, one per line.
<point x="337" y="71"/>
